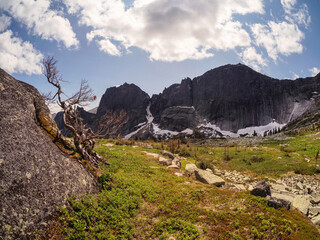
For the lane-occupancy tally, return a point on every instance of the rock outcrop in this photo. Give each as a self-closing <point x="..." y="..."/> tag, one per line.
<point x="35" y="174"/>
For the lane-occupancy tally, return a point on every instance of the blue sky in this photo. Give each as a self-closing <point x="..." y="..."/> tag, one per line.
<point x="155" y="43"/>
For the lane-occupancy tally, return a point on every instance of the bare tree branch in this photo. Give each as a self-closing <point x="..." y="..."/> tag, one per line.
<point x="84" y="138"/>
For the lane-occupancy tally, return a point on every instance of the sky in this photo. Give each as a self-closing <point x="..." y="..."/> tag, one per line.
<point x="156" y="43"/>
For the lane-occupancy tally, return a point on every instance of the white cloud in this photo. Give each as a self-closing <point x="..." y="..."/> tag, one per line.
<point x="251" y="58"/>
<point x="168" y="30"/>
<point x="278" y="38"/>
<point x="288" y="5"/>
<point x="298" y="15"/>
<point x="314" y="71"/>
<point x="18" y="56"/>
<point x="44" y="22"/>
<point x="5" y="22"/>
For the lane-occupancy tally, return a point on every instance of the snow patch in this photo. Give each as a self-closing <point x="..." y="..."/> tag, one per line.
<point x="260" y="130"/>
<point x="142" y="125"/>
<point x="211" y="130"/>
<point x="187" y="107"/>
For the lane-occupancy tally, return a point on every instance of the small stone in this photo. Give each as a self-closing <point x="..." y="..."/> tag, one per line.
<point x="302" y="203"/>
<point x="314" y="211"/>
<point x="316" y="220"/>
<point x="209" y="170"/>
<point x="179" y="174"/>
<point x="191" y="168"/>
<point x="299" y="186"/>
<point x="173" y="166"/>
<point x="240" y="187"/>
<point x="217" y="172"/>
<point x="315" y="200"/>
<point x="168" y="154"/>
<point x="250" y="187"/>
<point x="284" y="196"/>
<point x="208" y="178"/>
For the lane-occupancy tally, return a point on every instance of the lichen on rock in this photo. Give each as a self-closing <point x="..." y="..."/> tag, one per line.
<point x="35" y="175"/>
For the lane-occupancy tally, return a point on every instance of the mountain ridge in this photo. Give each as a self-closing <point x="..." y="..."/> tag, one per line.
<point x="230" y="98"/>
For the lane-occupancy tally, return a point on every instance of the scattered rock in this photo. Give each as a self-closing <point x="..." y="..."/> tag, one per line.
<point x="173" y="166"/>
<point x="278" y="203"/>
<point x="240" y="187"/>
<point x="208" y="178"/>
<point x="316" y="220"/>
<point x="278" y="187"/>
<point x="314" y="211"/>
<point x="284" y="196"/>
<point x="168" y="154"/>
<point x="299" y="186"/>
<point x="315" y="199"/>
<point x="302" y="203"/>
<point x="261" y="189"/>
<point x="177" y="162"/>
<point x="217" y="172"/>
<point x="191" y="168"/>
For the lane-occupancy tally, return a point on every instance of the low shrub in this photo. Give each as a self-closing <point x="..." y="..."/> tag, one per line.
<point x="204" y="164"/>
<point x="256" y="159"/>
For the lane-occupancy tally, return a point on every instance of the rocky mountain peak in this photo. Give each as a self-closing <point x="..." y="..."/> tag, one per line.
<point x="230" y="100"/>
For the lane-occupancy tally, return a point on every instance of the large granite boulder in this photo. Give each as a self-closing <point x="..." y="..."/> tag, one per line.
<point x="36" y="175"/>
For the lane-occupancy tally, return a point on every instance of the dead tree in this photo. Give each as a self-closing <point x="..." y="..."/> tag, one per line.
<point x="84" y="138"/>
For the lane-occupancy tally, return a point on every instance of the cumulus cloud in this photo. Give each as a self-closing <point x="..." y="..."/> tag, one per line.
<point x="251" y="58"/>
<point x="44" y="22"/>
<point x="5" y="22"/>
<point x="314" y="71"/>
<point x="18" y="56"/>
<point x="278" y="38"/>
<point x="168" y="30"/>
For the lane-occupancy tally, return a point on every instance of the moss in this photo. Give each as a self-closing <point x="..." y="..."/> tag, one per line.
<point x="140" y="199"/>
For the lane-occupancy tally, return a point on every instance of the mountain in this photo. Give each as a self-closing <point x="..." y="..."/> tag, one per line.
<point x="127" y="97"/>
<point x="231" y="100"/>
<point x="36" y="174"/>
<point x="233" y="97"/>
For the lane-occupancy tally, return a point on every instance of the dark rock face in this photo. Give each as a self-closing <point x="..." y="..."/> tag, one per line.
<point x="127" y="97"/>
<point x="261" y="189"/>
<point x="178" y="118"/>
<point x="235" y="97"/>
<point x="175" y="95"/>
<point x="35" y="175"/>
